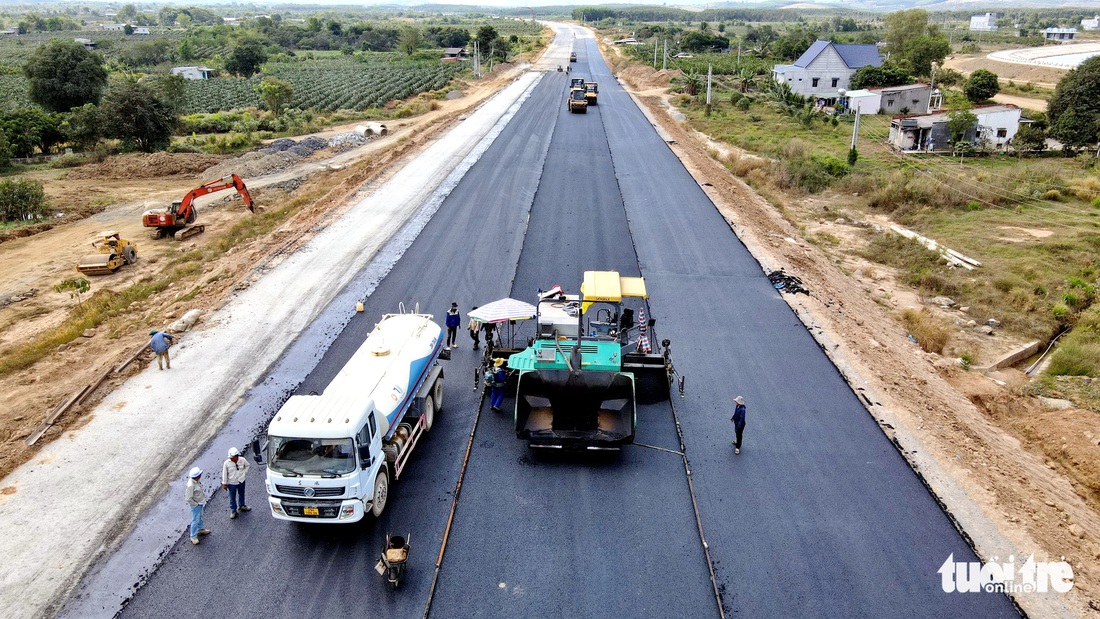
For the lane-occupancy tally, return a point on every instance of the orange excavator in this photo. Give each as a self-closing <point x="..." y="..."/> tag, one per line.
<point x="178" y="220"/>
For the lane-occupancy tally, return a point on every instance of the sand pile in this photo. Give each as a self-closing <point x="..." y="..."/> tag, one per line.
<point x="644" y="78"/>
<point x="251" y="165"/>
<point x="142" y="165"/>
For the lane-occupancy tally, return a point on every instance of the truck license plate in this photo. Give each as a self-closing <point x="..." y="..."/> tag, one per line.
<point x="311" y="511"/>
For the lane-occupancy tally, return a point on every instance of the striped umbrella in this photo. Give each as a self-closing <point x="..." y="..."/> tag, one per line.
<point x="503" y="311"/>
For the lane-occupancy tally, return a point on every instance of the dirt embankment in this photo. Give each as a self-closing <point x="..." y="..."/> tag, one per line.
<point x="1032" y="470"/>
<point x="141" y="165"/>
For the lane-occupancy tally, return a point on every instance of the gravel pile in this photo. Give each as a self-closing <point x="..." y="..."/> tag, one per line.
<point x="250" y="165"/>
<point x="346" y="141"/>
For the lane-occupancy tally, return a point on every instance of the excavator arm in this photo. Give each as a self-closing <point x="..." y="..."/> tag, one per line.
<point x="186" y="207"/>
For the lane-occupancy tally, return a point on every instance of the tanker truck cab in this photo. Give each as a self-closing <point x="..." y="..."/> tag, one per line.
<point x="332" y="456"/>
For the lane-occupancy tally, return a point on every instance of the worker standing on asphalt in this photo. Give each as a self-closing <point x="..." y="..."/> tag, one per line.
<point x="196" y="499"/>
<point x="475" y="331"/>
<point x="160" y="342"/>
<point x="738" y="420"/>
<point x="490" y="328"/>
<point x="496" y="393"/>
<point x="234" y="471"/>
<point x="453" y="322"/>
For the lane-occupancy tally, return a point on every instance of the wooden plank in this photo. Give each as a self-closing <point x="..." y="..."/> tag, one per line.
<point x="95" y="385"/>
<point x="131" y="358"/>
<point x="57" y="412"/>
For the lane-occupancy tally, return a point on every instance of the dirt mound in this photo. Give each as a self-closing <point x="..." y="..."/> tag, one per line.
<point x="143" y="165"/>
<point x="643" y="77"/>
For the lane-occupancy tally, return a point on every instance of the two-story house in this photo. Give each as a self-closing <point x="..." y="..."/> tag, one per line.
<point x="826" y="67"/>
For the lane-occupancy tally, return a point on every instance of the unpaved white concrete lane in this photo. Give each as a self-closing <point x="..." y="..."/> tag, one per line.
<point x="83" y="488"/>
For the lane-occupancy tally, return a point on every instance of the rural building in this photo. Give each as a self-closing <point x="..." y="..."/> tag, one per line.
<point x="231" y="21"/>
<point x="862" y="101"/>
<point x="995" y="125"/>
<point x="141" y="31"/>
<point x="1091" y="24"/>
<point x="826" y="67"/>
<point x="984" y="23"/>
<point x="627" y="41"/>
<point x="9" y="31"/>
<point x="113" y="27"/>
<point x="908" y="99"/>
<point x="87" y="43"/>
<point x="194" y="73"/>
<point x="1059" y="34"/>
<point x="454" y="54"/>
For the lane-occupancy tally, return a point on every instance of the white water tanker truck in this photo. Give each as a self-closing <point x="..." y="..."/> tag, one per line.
<point x="332" y="456"/>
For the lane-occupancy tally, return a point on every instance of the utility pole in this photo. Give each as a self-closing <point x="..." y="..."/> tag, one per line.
<point x="709" y="76"/>
<point x="664" y="60"/>
<point x="855" y="129"/>
<point x="738" y="53"/>
<point x="654" y="53"/>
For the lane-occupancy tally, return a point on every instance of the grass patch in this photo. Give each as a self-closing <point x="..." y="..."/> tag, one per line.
<point x="1079" y="352"/>
<point x="929" y="331"/>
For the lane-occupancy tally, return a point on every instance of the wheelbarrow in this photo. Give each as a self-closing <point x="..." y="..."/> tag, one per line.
<point x="395" y="555"/>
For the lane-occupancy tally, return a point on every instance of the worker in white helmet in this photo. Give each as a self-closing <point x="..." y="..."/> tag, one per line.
<point x="196" y="499"/>
<point x="234" y="471"/>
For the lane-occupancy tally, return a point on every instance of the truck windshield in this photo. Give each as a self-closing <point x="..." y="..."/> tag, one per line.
<point x="311" y="456"/>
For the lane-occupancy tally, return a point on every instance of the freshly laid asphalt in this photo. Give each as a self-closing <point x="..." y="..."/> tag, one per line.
<point x="819" y="515"/>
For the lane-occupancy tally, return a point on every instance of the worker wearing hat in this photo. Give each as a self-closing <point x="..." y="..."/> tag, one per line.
<point x="454" y="321"/>
<point x="160" y="342"/>
<point x="234" y="471"/>
<point x="196" y="498"/>
<point x="496" y="393"/>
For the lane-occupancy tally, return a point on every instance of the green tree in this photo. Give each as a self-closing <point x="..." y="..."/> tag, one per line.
<point x="128" y="29"/>
<point x="409" y="40"/>
<point x="136" y="114"/>
<point x="1030" y="138"/>
<point x="889" y="74"/>
<point x="246" y="57"/>
<point x="6" y="152"/>
<point x="22" y="199"/>
<point x="914" y="43"/>
<point x="186" y="50"/>
<point x="29" y="128"/>
<point x="1074" y="110"/>
<point x="276" y="93"/>
<point x="64" y="75"/>
<point x="76" y="288"/>
<point x="485" y="37"/>
<point x="173" y="89"/>
<point x="960" y="122"/>
<point x="981" y="86"/>
<point x="126" y="13"/>
<point x="83" y="128"/>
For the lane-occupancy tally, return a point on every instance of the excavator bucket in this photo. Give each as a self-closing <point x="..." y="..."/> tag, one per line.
<point x="575" y="410"/>
<point x="98" y="264"/>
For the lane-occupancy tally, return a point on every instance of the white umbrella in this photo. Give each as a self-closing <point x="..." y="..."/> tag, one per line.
<point x="503" y="310"/>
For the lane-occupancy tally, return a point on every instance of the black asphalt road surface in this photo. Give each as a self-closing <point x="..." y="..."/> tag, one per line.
<point x="819" y="515"/>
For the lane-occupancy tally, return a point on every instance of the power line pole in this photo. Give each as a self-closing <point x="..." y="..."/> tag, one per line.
<point x="709" y="77"/>
<point x="664" y="60"/>
<point x="855" y="129"/>
<point x="654" y="53"/>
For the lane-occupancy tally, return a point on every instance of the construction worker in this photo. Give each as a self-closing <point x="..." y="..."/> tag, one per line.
<point x="196" y="499"/>
<point x="496" y="393"/>
<point x="475" y="331"/>
<point x="234" y="471"/>
<point x="160" y="342"/>
<point x="454" y="320"/>
<point x="738" y="420"/>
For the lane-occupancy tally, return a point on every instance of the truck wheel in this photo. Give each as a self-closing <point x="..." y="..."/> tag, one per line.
<point x="129" y="255"/>
<point x="381" y="493"/>
<point x="429" y="413"/>
<point x="437" y="395"/>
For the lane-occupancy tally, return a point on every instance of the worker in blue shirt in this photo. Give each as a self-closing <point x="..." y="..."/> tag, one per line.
<point x="160" y="342"/>
<point x="454" y="321"/>
<point x="496" y="393"/>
